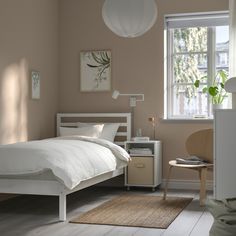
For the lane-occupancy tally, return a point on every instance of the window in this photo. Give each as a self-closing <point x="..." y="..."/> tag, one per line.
<point x="197" y="46"/>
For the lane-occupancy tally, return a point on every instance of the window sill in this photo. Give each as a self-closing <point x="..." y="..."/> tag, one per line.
<point x="196" y="120"/>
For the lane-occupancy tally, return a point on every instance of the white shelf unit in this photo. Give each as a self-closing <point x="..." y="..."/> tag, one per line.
<point x="224" y="154"/>
<point x="145" y="170"/>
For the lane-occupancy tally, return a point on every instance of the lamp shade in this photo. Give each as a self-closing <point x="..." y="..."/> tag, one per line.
<point x="230" y="85"/>
<point x="129" y="18"/>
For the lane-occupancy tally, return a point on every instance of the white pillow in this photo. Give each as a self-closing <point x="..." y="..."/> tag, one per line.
<point x="93" y="131"/>
<point x="108" y="132"/>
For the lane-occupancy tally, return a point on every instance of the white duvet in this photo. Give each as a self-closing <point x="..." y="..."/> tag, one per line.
<point x="72" y="159"/>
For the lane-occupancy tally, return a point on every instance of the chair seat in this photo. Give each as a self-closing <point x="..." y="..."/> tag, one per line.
<point x="173" y="163"/>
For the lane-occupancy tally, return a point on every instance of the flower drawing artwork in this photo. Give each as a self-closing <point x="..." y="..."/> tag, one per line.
<point x="95" y="71"/>
<point x="35" y="80"/>
<point x="102" y="63"/>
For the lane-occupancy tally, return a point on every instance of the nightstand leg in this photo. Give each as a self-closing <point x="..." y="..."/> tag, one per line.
<point x="128" y="188"/>
<point x="167" y="182"/>
<point x="153" y="189"/>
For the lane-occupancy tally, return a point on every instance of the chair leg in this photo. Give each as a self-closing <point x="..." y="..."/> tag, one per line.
<point x="202" y="176"/>
<point x="167" y="182"/>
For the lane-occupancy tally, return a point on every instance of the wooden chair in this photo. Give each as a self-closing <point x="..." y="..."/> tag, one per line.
<point x="199" y="144"/>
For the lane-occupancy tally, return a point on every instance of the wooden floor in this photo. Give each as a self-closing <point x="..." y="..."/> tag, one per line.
<point x="38" y="215"/>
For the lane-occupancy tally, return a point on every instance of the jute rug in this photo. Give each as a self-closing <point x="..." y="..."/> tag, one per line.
<point x="136" y="210"/>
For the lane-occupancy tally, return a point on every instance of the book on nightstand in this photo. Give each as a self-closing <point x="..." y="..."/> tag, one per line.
<point x="140" y="151"/>
<point x="140" y="138"/>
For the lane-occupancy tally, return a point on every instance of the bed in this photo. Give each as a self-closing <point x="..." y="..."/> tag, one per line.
<point x="47" y="183"/>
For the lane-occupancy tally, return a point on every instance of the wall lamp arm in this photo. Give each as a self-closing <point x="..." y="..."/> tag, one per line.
<point x="132" y="97"/>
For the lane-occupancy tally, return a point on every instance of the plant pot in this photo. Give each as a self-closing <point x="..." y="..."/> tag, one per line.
<point x="217" y="106"/>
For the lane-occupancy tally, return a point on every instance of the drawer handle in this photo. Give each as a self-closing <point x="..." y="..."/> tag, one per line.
<point x="140" y="165"/>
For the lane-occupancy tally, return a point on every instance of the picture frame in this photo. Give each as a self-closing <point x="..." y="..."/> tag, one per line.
<point x="95" y="71"/>
<point x="35" y="84"/>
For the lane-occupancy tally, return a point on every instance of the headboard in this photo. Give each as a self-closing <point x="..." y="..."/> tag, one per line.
<point x="124" y="119"/>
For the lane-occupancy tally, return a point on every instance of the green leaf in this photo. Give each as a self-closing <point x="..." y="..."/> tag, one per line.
<point x="197" y="83"/>
<point x="204" y="90"/>
<point x="213" y="91"/>
<point x="223" y="75"/>
<point x="222" y="85"/>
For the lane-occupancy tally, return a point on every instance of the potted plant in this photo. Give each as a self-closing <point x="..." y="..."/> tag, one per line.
<point x="216" y="89"/>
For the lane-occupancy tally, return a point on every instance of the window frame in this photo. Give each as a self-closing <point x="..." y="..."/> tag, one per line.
<point x="175" y="20"/>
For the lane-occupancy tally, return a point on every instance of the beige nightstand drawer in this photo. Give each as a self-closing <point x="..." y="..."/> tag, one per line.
<point x="140" y="171"/>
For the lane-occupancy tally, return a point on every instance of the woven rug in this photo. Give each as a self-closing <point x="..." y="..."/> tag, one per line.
<point x="136" y="210"/>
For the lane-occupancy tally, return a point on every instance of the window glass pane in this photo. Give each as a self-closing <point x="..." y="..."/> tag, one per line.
<point x="222" y="38"/>
<point x="222" y="47"/>
<point x="188" y="102"/>
<point x="190" y="39"/>
<point x="222" y="60"/>
<point x="189" y="67"/>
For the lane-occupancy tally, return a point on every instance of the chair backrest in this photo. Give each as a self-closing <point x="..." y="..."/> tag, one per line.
<point x="200" y="144"/>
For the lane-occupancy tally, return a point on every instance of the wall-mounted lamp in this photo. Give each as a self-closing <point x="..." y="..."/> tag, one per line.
<point x="230" y="85"/>
<point x="133" y="98"/>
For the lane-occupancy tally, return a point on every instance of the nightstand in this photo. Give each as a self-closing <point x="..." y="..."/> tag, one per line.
<point x="145" y="168"/>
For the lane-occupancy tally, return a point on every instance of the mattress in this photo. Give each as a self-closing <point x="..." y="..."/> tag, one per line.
<point x="48" y="174"/>
<point x="42" y="175"/>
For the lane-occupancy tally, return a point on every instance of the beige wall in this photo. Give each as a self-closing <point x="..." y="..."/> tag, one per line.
<point x="137" y="67"/>
<point x="28" y="40"/>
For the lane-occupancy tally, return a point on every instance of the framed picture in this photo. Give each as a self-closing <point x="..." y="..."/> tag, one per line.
<point x="35" y="85"/>
<point x="95" y="71"/>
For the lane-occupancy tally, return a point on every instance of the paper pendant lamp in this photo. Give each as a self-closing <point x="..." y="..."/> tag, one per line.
<point x="129" y="18"/>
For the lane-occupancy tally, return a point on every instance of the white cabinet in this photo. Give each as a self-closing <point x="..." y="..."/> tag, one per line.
<point x="225" y="154"/>
<point x="145" y="169"/>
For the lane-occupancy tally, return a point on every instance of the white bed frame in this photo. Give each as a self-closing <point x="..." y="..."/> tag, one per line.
<point x="56" y="188"/>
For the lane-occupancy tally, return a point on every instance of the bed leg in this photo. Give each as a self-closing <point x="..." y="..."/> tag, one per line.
<point x="62" y="207"/>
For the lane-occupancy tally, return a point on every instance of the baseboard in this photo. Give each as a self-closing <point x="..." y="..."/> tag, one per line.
<point x="186" y="184"/>
<point x="173" y="183"/>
